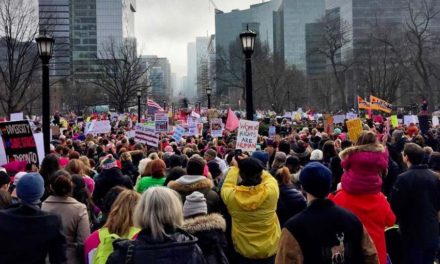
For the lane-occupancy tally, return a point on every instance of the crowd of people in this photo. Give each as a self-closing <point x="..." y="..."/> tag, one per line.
<point x="307" y="196"/>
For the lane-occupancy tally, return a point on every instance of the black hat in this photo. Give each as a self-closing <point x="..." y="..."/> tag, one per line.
<point x="316" y="179"/>
<point x="250" y="166"/>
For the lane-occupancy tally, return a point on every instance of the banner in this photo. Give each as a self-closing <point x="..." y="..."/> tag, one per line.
<point x="380" y="105"/>
<point x="355" y="128"/>
<point x="178" y="133"/>
<point x="362" y="104"/>
<point x="146" y="134"/>
<point x="98" y="127"/>
<point x="18" y="142"/>
<point x="247" y="135"/>
<point x="216" y="128"/>
<point x="161" y="120"/>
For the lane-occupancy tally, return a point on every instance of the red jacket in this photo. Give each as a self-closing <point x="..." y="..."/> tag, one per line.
<point x="375" y="213"/>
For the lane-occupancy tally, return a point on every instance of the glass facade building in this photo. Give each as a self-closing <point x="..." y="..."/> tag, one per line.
<point x="159" y="77"/>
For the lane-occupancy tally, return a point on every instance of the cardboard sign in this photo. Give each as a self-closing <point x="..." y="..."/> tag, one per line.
<point x="272" y="131"/>
<point x="16" y="116"/>
<point x="179" y="131"/>
<point x="161" y="120"/>
<point x="338" y="119"/>
<point x="146" y="134"/>
<point x="355" y="128"/>
<point x="408" y="119"/>
<point x="98" y="127"/>
<point x="247" y="135"/>
<point x="18" y="142"/>
<point x="216" y="128"/>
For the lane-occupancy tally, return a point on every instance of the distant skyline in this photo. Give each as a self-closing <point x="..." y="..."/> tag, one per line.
<point x="165" y="27"/>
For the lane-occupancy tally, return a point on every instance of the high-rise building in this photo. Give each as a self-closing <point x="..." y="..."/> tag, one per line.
<point x="159" y="76"/>
<point x="212" y="66"/>
<point x="191" y="87"/>
<point x="290" y="25"/>
<point x="202" y="66"/>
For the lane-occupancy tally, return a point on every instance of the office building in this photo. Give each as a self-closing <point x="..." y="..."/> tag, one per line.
<point x="202" y="66"/>
<point x="191" y="87"/>
<point x="159" y="77"/>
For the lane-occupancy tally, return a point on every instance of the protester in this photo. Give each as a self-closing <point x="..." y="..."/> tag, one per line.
<point x="76" y="166"/>
<point x="119" y="224"/>
<point x="333" y="162"/>
<point x="26" y="232"/>
<point x="323" y="232"/>
<point x="109" y="199"/>
<point x="74" y="216"/>
<point x="415" y="199"/>
<point x="128" y="167"/>
<point x="252" y="206"/>
<point x="5" y="199"/>
<point x="159" y="215"/>
<point x="157" y="177"/>
<point x="49" y="166"/>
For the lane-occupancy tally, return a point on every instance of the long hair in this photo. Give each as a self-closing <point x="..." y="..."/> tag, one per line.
<point x="158" y="208"/>
<point x="75" y="166"/>
<point x="49" y="166"/>
<point x="120" y="218"/>
<point x="366" y="137"/>
<point x="283" y="176"/>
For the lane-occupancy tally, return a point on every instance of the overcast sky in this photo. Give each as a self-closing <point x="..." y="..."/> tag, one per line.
<point x="164" y="27"/>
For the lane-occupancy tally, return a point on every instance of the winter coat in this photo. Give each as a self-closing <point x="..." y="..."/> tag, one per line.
<point x="209" y="230"/>
<point x="146" y="182"/>
<point x="320" y="233"/>
<point x="27" y="235"/>
<point x="290" y="202"/>
<point x="375" y="213"/>
<point x="75" y="222"/>
<point x="255" y="226"/>
<point x="415" y="199"/>
<point x="178" y="247"/>
<point x="106" y="180"/>
<point x="363" y="166"/>
<point x="188" y="184"/>
<point x="130" y="170"/>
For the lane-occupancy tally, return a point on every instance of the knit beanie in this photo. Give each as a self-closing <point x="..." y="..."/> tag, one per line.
<point x="195" y="204"/>
<point x="262" y="156"/>
<point x="30" y="188"/>
<point x="316" y="179"/>
<point x="108" y="162"/>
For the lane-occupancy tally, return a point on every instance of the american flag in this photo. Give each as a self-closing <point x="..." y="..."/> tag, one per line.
<point x="153" y="107"/>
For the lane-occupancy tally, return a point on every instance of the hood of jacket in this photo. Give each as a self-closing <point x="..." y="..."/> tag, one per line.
<point x="363" y="148"/>
<point x="185" y="186"/>
<point x="201" y="223"/>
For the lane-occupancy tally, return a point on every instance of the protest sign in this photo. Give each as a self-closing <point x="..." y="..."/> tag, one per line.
<point x="435" y="121"/>
<point x="394" y="121"/>
<point x="179" y="131"/>
<point x="338" y="119"/>
<point x="146" y="134"/>
<point x="161" y="120"/>
<point x="216" y="127"/>
<point x="98" y="127"/>
<point x="18" y="142"/>
<point x="355" y="128"/>
<point x="351" y="115"/>
<point x="192" y="129"/>
<point x="272" y="131"/>
<point x="408" y="119"/>
<point x="16" y="116"/>
<point x="328" y="123"/>
<point x="39" y="142"/>
<point x="247" y="135"/>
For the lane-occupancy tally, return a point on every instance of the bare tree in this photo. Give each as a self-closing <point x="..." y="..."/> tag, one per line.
<point x="122" y="72"/>
<point x="20" y="60"/>
<point x="422" y="44"/>
<point x="334" y="38"/>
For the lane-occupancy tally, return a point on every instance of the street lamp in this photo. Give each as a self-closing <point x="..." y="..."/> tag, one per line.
<point x="208" y="93"/>
<point x="248" y="44"/>
<point x="45" y="50"/>
<point x="139" y="93"/>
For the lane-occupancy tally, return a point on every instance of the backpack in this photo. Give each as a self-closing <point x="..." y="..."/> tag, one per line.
<point x="105" y="247"/>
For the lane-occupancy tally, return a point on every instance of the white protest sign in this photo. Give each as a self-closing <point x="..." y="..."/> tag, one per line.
<point x="130" y="134"/>
<point x="192" y="129"/>
<point x="178" y="133"/>
<point x="216" y="128"/>
<point x="161" y="120"/>
<point x="272" y="131"/>
<point x="146" y="134"/>
<point x="351" y="115"/>
<point x="16" y="116"/>
<point x="247" y="135"/>
<point x="435" y="121"/>
<point x="98" y="127"/>
<point x="408" y="119"/>
<point x="39" y="141"/>
<point x="338" y="119"/>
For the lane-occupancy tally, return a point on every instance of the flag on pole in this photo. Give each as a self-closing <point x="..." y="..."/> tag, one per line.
<point x="153" y="107"/>
<point x="362" y="104"/>
<point x="380" y="105"/>
<point x="232" y="121"/>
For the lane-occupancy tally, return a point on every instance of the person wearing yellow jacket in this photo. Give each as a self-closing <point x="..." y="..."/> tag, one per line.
<point x="252" y="205"/>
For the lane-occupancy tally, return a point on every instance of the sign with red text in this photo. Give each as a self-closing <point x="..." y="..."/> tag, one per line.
<point x="18" y="142"/>
<point x="247" y="135"/>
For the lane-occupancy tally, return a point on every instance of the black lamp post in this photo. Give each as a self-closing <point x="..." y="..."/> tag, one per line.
<point x="248" y="43"/>
<point x="208" y="93"/>
<point x="45" y="50"/>
<point x="139" y="93"/>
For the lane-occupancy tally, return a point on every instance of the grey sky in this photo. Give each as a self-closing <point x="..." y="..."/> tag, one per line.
<point x="164" y="27"/>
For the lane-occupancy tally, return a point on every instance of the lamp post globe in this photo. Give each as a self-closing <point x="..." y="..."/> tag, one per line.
<point x="248" y="45"/>
<point x="45" y="45"/>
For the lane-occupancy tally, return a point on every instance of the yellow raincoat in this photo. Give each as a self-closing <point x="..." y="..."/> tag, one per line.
<point x="255" y="227"/>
